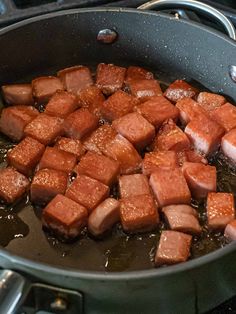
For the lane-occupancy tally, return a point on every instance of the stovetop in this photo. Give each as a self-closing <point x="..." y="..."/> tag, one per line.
<point x="15" y="10"/>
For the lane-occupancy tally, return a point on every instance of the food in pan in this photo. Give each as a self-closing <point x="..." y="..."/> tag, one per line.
<point x="78" y="138"/>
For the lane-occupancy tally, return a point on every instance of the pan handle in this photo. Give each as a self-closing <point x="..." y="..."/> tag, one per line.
<point x="195" y="6"/>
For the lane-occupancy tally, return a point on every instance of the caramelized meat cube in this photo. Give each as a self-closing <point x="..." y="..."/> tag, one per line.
<point x="225" y="116"/>
<point x="18" y="94"/>
<point x="71" y="146"/>
<point x="189" y="110"/>
<point x="162" y="159"/>
<point x="180" y="89"/>
<point x="91" y="98"/>
<point x="133" y="185"/>
<point x="210" y="101"/>
<point x="44" y="87"/>
<point x="144" y="89"/>
<point x="230" y="230"/>
<point x="181" y="208"/>
<point x="137" y="73"/>
<point x="228" y="145"/>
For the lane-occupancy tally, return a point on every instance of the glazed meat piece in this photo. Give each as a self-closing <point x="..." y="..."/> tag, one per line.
<point x="71" y="146"/>
<point x="14" y="120"/>
<point x="65" y="217"/>
<point x="87" y="192"/>
<point x="91" y="98"/>
<point x="157" y="110"/>
<point x="44" y="128"/>
<point x="228" y="145"/>
<point x="180" y="89"/>
<point x="189" y="110"/>
<point x="99" y="167"/>
<point x="181" y="208"/>
<point x="75" y="78"/>
<point x="173" y="248"/>
<point x="54" y="158"/>
<point x="61" y="104"/>
<point x="220" y="210"/>
<point x="12" y="184"/>
<point x="133" y="185"/>
<point x="137" y="73"/>
<point x="225" y="116"/>
<point x="144" y="89"/>
<point x="104" y="217"/>
<point x="201" y="178"/>
<point x="230" y="230"/>
<point x="210" y="101"/>
<point x="25" y="156"/>
<point x="170" y="187"/>
<point x="80" y="123"/>
<point x="138" y="213"/>
<point x="110" y="78"/>
<point x="44" y="87"/>
<point x="135" y="129"/>
<point x="18" y="94"/>
<point x="46" y="184"/>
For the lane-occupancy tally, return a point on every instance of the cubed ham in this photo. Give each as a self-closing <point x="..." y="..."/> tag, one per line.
<point x="44" y="87"/>
<point x="191" y="156"/>
<point x="14" y="120"/>
<point x="181" y="221"/>
<point x="91" y="98"/>
<point x="46" y="184"/>
<point x="204" y="134"/>
<point x="138" y="213"/>
<point x="201" y="178"/>
<point x="44" y="128"/>
<point x="118" y="105"/>
<point x="71" y="146"/>
<point x="133" y="185"/>
<point x="104" y="217"/>
<point x="135" y="129"/>
<point x="173" y="248"/>
<point x="80" y="123"/>
<point x="124" y="152"/>
<point x="230" y="230"/>
<point x="137" y="73"/>
<point x="99" y="167"/>
<point x="189" y="109"/>
<point x="65" y="217"/>
<point x="170" y="187"/>
<point x="157" y="110"/>
<point x="110" y="78"/>
<point x="18" y="94"/>
<point x="210" y="101"/>
<point x="54" y="158"/>
<point x="25" y="156"/>
<point x="61" y="104"/>
<point x="220" y="210"/>
<point x="162" y="159"/>
<point x="180" y="89"/>
<point x="228" y="145"/>
<point x="181" y="208"/>
<point x="75" y="78"/>
<point x="144" y="89"/>
<point x="170" y="137"/>
<point x="87" y="192"/>
<point x="225" y="116"/>
<point x="12" y="184"/>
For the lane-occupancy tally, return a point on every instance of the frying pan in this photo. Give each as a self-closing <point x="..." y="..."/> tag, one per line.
<point x="34" y="273"/>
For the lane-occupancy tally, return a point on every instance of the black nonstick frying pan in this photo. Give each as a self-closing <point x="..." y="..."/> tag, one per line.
<point x="37" y="264"/>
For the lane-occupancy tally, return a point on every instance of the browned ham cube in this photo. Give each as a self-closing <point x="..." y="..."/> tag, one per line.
<point x="173" y="248"/>
<point x="124" y="152"/>
<point x="180" y="89"/>
<point x="189" y="109"/>
<point x="87" y="192"/>
<point x="136" y="129"/>
<point x="133" y="185"/>
<point x="138" y="213"/>
<point x="61" y="104"/>
<point x="230" y="230"/>
<point x="225" y="116"/>
<point x="18" y="94"/>
<point x="137" y="73"/>
<point x="91" y="98"/>
<point x="75" y="78"/>
<point x="110" y="78"/>
<point x="228" y="145"/>
<point x="191" y="156"/>
<point x="171" y="137"/>
<point x="44" y="87"/>
<point x="98" y="167"/>
<point x="144" y="89"/>
<point x="157" y="110"/>
<point x="118" y="105"/>
<point x="220" y="210"/>
<point x="71" y="146"/>
<point x="162" y="159"/>
<point x="25" y="156"/>
<point x="210" y="101"/>
<point x="14" y="120"/>
<point x="12" y="184"/>
<point x="65" y="217"/>
<point x="54" y="158"/>
<point x="45" y="128"/>
<point x="201" y="178"/>
<point x="170" y="187"/>
<point x="46" y="184"/>
<point x="80" y="123"/>
<point x="181" y="208"/>
<point x="104" y="217"/>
